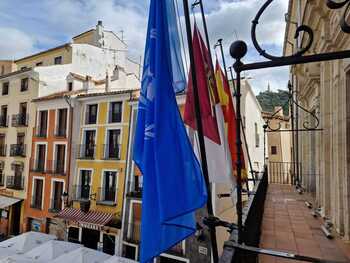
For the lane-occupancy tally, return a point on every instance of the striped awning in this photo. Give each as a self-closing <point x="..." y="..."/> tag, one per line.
<point x="89" y="218"/>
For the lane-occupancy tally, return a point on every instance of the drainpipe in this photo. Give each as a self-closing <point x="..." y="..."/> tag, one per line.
<point x="68" y="100"/>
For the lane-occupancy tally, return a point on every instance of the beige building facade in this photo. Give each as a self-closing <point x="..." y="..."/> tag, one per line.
<point x="323" y="89"/>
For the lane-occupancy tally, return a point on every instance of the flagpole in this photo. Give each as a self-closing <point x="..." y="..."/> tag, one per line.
<point x="200" y="130"/>
<point x="200" y="3"/>
<point x="219" y="43"/>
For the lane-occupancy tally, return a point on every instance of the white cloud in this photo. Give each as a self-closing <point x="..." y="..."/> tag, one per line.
<point x="15" y="43"/>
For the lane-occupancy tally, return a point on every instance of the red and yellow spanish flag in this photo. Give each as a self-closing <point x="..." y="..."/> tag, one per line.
<point x="228" y="110"/>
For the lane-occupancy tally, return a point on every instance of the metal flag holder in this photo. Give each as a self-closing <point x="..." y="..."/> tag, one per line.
<point x="238" y="50"/>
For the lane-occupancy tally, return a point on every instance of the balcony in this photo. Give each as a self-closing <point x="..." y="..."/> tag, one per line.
<point x="135" y="187"/>
<point x="40" y="132"/>
<point x="61" y="132"/>
<point x="18" y="150"/>
<point x="55" y="205"/>
<point x="3" y="149"/>
<point x="20" y="120"/>
<point x="133" y="234"/>
<point x="38" y="166"/>
<point x="111" y="152"/>
<point x="3" y="121"/>
<point x="81" y="192"/>
<point x="106" y="195"/>
<point x="15" y="182"/>
<point x="86" y="151"/>
<point x="58" y="168"/>
<point x="36" y="203"/>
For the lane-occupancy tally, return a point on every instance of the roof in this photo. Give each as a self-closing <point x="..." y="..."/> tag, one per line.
<point x="8" y="201"/>
<point x="268" y="115"/>
<point x="117" y="92"/>
<point x="81" y="34"/>
<point x="66" y="45"/>
<point x="83" y="78"/>
<point x="58" y="95"/>
<point x="15" y="72"/>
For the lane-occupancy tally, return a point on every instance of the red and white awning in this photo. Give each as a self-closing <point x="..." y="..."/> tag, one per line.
<point x="90" y="218"/>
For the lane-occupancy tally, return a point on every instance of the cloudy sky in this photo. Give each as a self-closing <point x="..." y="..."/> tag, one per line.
<point x="33" y="25"/>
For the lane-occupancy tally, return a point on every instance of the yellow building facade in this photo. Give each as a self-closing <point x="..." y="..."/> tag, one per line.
<point x="100" y="154"/>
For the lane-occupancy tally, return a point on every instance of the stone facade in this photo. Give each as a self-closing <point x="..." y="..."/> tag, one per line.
<point x="323" y="89"/>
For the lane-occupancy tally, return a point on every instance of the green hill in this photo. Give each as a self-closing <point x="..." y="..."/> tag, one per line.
<point x="270" y="99"/>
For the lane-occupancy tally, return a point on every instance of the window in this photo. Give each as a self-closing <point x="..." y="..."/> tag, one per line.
<point x="85" y="180"/>
<point x="60" y="158"/>
<point x="87" y="150"/>
<point x="3" y="116"/>
<point x="58" y="60"/>
<point x="38" y="186"/>
<point x="2" y="145"/>
<point x="24" y="84"/>
<point x="61" y="123"/>
<point x="5" y="88"/>
<point x="56" y="198"/>
<point x="112" y="150"/>
<point x="70" y="86"/>
<point x="257" y="137"/>
<point x="91" y="114"/>
<point x="2" y="176"/>
<point x="41" y="129"/>
<point x="115" y="112"/>
<point x="274" y="150"/>
<point x="24" y="68"/>
<point x="73" y="235"/>
<point x="40" y="158"/>
<point x="108" y="191"/>
<point x="39" y="64"/>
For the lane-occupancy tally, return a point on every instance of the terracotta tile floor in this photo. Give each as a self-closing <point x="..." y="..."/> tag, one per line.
<point x="289" y="226"/>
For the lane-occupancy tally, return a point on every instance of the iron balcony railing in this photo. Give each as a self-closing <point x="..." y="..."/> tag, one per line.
<point x="133" y="232"/>
<point x="55" y="205"/>
<point x="38" y="166"/>
<point x="18" y="150"/>
<point x="40" y="132"/>
<point x="2" y="180"/>
<point x="111" y="151"/>
<point x="86" y="151"/>
<point x="15" y="182"/>
<point x="3" y="149"/>
<point x="81" y="192"/>
<point x="4" y="121"/>
<point x="106" y="195"/>
<point x="58" y="168"/>
<point x="135" y="187"/>
<point x="36" y="203"/>
<point x="19" y="120"/>
<point x="61" y="132"/>
<point x="283" y="172"/>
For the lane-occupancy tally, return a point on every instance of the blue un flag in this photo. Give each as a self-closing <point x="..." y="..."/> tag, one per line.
<point x="173" y="185"/>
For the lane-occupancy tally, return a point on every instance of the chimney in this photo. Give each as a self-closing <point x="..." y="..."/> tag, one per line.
<point x="99" y="33"/>
<point x="280" y="111"/>
<point x="88" y="83"/>
<point x="107" y="82"/>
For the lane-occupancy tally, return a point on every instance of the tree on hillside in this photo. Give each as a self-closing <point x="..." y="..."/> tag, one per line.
<point x="270" y="99"/>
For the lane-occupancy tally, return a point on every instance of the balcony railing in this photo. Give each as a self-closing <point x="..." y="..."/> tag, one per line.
<point x="15" y="182"/>
<point x="106" y="195"/>
<point x="61" y="132"/>
<point x="86" y="151"/>
<point x="81" y="192"/>
<point x="19" y="120"/>
<point x="36" y="203"/>
<point x="111" y="152"/>
<point x="55" y="205"/>
<point x="2" y="180"/>
<point x="59" y="168"/>
<point x="3" y="149"/>
<point x="38" y="166"/>
<point x="18" y="150"/>
<point x="133" y="234"/>
<point x="4" y="121"/>
<point x="135" y="187"/>
<point x="40" y="132"/>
